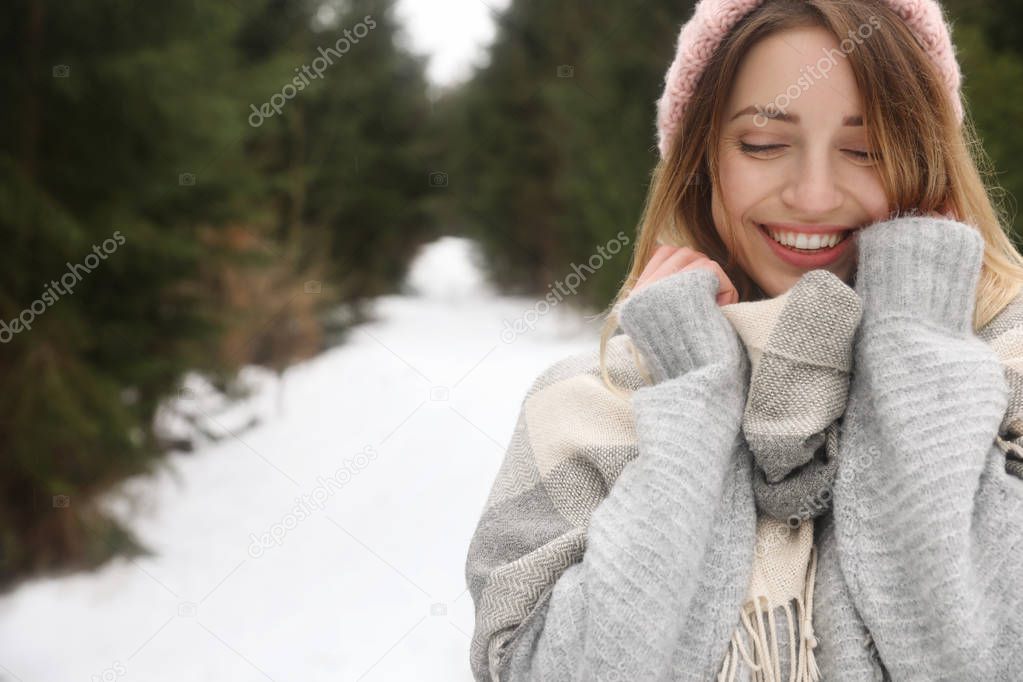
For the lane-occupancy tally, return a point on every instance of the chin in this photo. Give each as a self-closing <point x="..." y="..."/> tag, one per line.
<point x="776" y="285"/>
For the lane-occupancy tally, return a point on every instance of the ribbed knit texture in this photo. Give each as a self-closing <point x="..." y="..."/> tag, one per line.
<point x="594" y="560"/>
<point x="642" y="593"/>
<point x="929" y="525"/>
<point x="678" y="326"/>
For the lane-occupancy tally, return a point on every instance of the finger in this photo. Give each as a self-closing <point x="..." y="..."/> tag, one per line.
<point x="656" y="271"/>
<point x="660" y="255"/>
<point x="727" y="294"/>
<point x="730" y="296"/>
<point x="701" y="262"/>
<point x="676" y="262"/>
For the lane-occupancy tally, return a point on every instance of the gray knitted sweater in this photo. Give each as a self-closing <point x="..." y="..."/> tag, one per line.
<point x="592" y="564"/>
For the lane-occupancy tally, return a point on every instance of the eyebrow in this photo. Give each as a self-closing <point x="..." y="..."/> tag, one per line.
<point x="752" y="110"/>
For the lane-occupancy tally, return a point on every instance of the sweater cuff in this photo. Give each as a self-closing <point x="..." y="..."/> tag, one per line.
<point x="924" y="267"/>
<point x="677" y="325"/>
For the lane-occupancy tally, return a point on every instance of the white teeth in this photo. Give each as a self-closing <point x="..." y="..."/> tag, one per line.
<point x="812" y="242"/>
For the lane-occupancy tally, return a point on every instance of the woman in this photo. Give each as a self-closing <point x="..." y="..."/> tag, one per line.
<point x="814" y="416"/>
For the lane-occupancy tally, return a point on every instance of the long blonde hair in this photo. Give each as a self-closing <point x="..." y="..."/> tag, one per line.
<point x="930" y="162"/>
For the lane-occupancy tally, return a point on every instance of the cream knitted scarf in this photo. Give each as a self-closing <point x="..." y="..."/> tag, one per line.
<point x="573" y="439"/>
<point x="800" y="349"/>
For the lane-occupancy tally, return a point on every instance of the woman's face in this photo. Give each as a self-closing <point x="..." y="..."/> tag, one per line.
<point x="811" y="175"/>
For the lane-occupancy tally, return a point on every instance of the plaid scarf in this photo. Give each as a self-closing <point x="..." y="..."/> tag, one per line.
<point x="800" y="348"/>
<point x="799" y="345"/>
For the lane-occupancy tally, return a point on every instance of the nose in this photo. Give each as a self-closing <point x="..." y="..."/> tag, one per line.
<point x="811" y="187"/>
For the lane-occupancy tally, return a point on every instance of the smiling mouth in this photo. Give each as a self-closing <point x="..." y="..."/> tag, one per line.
<point x="800" y="242"/>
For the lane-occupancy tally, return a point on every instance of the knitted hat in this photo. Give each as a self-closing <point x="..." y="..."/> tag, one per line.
<point x="713" y="19"/>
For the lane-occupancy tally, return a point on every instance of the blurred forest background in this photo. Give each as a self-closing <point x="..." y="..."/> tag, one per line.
<point x="255" y="239"/>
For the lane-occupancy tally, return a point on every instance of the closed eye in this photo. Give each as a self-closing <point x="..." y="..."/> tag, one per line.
<point x="757" y="148"/>
<point x="761" y="148"/>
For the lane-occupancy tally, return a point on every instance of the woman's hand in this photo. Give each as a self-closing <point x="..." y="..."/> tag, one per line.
<point x="674" y="316"/>
<point x="923" y="267"/>
<point x="667" y="260"/>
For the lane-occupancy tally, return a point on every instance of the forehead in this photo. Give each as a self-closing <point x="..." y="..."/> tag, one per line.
<point x="802" y="71"/>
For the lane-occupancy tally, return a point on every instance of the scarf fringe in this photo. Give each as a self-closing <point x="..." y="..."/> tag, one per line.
<point x="764" y="663"/>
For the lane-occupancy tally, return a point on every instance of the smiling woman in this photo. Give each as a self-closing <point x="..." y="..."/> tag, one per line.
<point x="807" y="119"/>
<point x="770" y="475"/>
<point x="795" y="182"/>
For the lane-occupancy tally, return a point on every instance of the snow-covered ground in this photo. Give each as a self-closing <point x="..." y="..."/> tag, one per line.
<point x="329" y="541"/>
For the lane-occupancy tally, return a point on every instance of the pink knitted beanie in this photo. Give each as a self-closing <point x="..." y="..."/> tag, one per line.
<point x="712" y="19"/>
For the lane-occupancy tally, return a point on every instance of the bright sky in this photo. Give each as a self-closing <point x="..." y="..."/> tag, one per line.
<point x="454" y="33"/>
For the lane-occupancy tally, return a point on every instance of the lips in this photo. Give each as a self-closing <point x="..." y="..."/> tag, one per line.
<point x="806" y="229"/>
<point x="805" y="260"/>
<point x="807" y="241"/>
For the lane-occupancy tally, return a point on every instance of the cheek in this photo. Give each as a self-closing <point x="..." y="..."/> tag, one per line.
<point x="732" y="178"/>
<point x="727" y="209"/>
<point x="870" y="194"/>
<point x="742" y="185"/>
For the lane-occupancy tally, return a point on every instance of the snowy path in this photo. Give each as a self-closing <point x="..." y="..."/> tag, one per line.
<point x="372" y="480"/>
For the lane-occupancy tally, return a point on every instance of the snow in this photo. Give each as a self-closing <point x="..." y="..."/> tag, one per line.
<point x="328" y="541"/>
<point x="449" y="269"/>
<point x="452" y="34"/>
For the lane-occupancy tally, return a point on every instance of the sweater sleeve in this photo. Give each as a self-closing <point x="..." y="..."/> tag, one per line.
<point x="618" y="612"/>
<point x="928" y="521"/>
